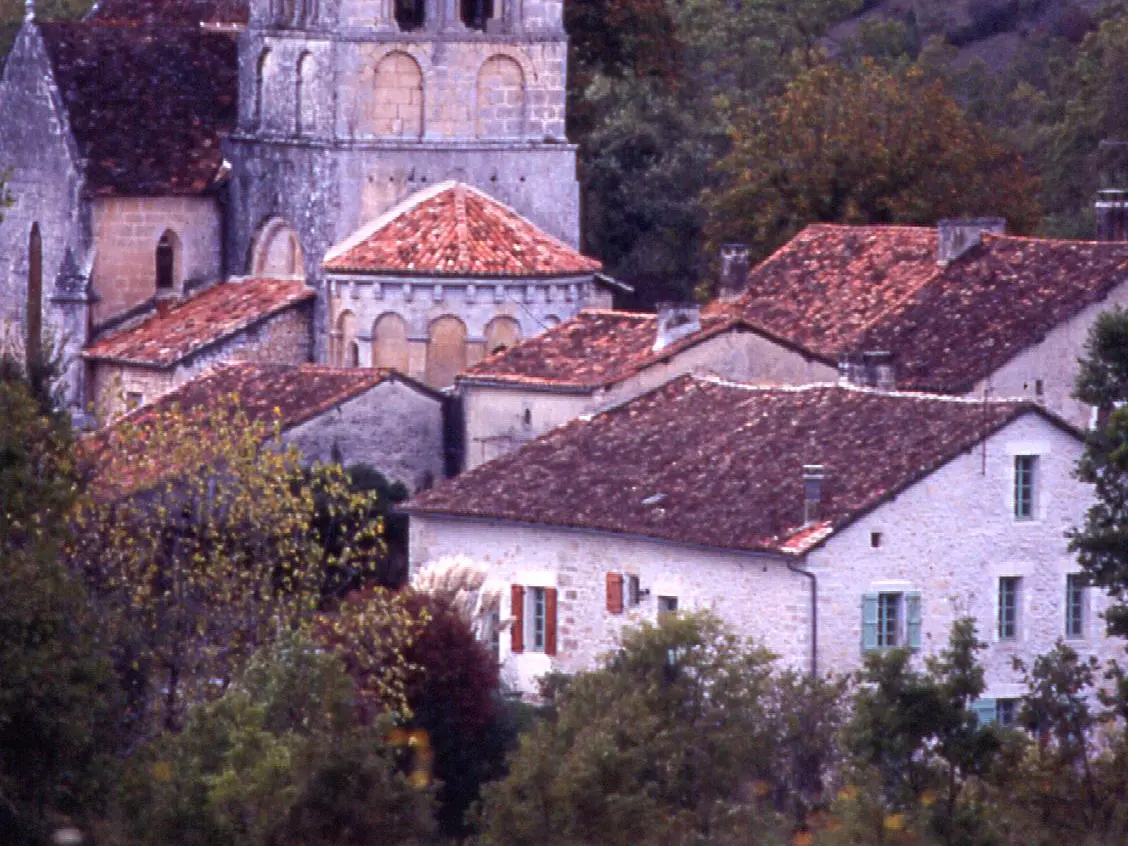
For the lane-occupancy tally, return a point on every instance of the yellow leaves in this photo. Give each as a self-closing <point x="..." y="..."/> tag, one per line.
<point x="894" y="822"/>
<point x="161" y="772"/>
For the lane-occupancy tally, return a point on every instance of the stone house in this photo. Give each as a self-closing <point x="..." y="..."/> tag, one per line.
<point x="252" y="320"/>
<point x="959" y="309"/>
<point x="358" y="416"/>
<point x="823" y="521"/>
<point x="166" y="145"/>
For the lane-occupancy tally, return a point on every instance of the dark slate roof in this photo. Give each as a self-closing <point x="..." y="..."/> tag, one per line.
<point x="148" y="104"/>
<point x="453" y="229"/>
<point x="705" y="462"/>
<point x="174" y="11"/>
<point x="593" y="349"/>
<point x="163" y="340"/>
<point x="282" y="395"/>
<point x="843" y="290"/>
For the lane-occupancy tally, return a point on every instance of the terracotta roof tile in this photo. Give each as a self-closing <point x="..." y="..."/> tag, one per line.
<point x="148" y="104"/>
<point x="591" y="350"/>
<point x="454" y="229"/>
<point x="266" y="393"/>
<point x="217" y="313"/>
<point x="706" y="462"/>
<point x="843" y="290"/>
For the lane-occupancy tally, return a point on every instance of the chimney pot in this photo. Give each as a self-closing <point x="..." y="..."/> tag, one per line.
<point x="735" y="263"/>
<point x="1112" y="214"/>
<point x="956" y="236"/>
<point x="813" y="476"/>
<point x="676" y="321"/>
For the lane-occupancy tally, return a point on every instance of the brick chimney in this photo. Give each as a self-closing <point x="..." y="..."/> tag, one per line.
<point x="812" y="493"/>
<point x="956" y="236"/>
<point x="676" y="321"/>
<point x="1112" y="214"/>
<point x="735" y="263"/>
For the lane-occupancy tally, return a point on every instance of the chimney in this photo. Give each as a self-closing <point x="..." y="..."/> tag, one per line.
<point x="874" y="370"/>
<point x="676" y="321"/>
<point x="812" y="493"/>
<point x="957" y="236"/>
<point x="734" y="271"/>
<point x="1112" y="215"/>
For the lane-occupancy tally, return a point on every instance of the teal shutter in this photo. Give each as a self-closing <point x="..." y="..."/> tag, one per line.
<point x="912" y="619"/>
<point x="985" y="711"/>
<point x="869" y="622"/>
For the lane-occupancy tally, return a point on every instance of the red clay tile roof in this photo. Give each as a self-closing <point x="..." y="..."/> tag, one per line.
<point x="196" y="323"/>
<point x="454" y="229"/>
<point x="148" y="105"/>
<point x="843" y="290"/>
<point x="593" y="349"/>
<point x="701" y="461"/>
<point x="268" y="394"/>
<point x="174" y="11"/>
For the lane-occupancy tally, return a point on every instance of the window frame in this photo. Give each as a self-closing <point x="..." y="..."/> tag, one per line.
<point x="536" y="618"/>
<point x="1008" y="607"/>
<point x="907" y="622"/>
<point x="1075" y="596"/>
<point x="1025" y="487"/>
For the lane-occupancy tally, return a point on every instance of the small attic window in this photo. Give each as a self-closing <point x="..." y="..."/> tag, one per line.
<point x="875" y="539"/>
<point x="166" y="262"/>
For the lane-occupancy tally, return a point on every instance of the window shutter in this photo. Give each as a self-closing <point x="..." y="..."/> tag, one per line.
<point x="614" y="593"/>
<point x="869" y="622"/>
<point x="550" y="621"/>
<point x="517" y="629"/>
<point x="984" y="710"/>
<point x="912" y="619"/>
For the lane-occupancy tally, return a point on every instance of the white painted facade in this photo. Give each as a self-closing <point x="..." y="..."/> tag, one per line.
<point x="950" y="536"/>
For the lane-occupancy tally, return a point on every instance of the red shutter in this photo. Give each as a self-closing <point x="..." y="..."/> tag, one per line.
<point x="614" y="593"/>
<point x="550" y="621"/>
<point x="517" y="627"/>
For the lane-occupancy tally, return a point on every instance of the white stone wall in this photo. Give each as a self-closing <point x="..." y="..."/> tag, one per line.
<point x="396" y="428"/>
<point x="951" y="536"/>
<point x="757" y="594"/>
<point x="1054" y="361"/>
<point x="495" y="416"/>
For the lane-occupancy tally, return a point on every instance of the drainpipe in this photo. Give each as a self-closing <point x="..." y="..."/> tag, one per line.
<point x="795" y="568"/>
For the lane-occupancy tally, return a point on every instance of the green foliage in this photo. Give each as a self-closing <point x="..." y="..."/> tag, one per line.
<point x="12" y="15"/>
<point x="278" y="759"/>
<point x="1101" y="543"/>
<point x="674" y="740"/>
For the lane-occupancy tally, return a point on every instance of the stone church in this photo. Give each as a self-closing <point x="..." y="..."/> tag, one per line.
<point x="350" y="182"/>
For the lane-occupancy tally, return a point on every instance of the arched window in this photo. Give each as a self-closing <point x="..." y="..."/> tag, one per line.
<point x="261" y="71"/>
<point x="410" y="14"/>
<point x="167" y="261"/>
<point x="277" y="251"/>
<point x="34" y="326"/>
<point x="476" y="13"/>
<point x="306" y="97"/>
<point x="501" y="334"/>
<point x="397" y="101"/>
<point x="501" y="99"/>
<point x="348" y="353"/>
<point x="446" y="351"/>
<point x="389" y="342"/>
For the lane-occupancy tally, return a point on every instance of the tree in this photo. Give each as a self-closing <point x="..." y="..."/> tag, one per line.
<point x="1101" y="543"/>
<point x="57" y="692"/>
<point x="199" y="535"/>
<point x="862" y="145"/>
<point x="672" y="740"/>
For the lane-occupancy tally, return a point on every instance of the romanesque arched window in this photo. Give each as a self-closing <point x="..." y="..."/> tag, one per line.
<point x="347" y="353"/>
<point x="34" y="327"/>
<point x="306" y="95"/>
<point x="410" y="14"/>
<point x="476" y="13"/>
<point x="261" y="71"/>
<point x="276" y="250"/>
<point x="167" y="259"/>
<point x="501" y="99"/>
<point x="502" y="333"/>
<point x="446" y="351"/>
<point x="397" y="101"/>
<point x="389" y="342"/>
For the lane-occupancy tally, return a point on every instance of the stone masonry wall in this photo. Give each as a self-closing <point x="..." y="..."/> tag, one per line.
<point x="126" y="233"/>
<point x="394" y="427"/>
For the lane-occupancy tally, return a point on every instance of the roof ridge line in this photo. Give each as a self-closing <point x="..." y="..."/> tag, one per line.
<point x="714" y="379"/>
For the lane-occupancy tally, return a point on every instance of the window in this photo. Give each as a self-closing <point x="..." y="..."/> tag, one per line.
<point x="1074" y="605"/>
<point x="634" y="593"/>
<point x="166" y="262"/>
<point x="1006" y="711"/>
<point x="891" y="619"/>
<point x="534" y="619"/>
<point x="875" y="539"/>
<point x="409" y="14"/>
<point x="1008" y="607"/>
<point x="133" y="400"/>
<point x="667" y="605"/>
<point x="623" y="592"/>
<point x="475" y="13"/>
<point x="1025" y="473"/>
